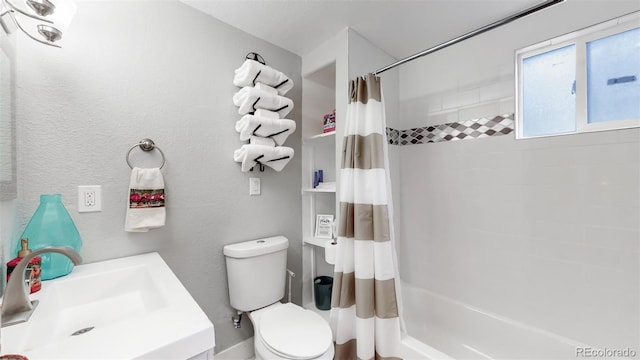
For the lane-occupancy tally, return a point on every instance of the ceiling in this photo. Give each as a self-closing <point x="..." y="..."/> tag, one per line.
<point x="401" y="28"/>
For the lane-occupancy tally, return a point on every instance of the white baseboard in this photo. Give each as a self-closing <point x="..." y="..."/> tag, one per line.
<point x="240" y="351"/>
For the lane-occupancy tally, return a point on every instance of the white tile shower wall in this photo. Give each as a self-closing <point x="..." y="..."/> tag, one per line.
<point x="476" y="101"/>
<point x="544" y="232"/>
<point x="484" y="100"/>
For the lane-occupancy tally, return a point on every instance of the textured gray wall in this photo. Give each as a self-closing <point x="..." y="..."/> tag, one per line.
<point x="7" y="207"/>
<point x="130" y="70"/>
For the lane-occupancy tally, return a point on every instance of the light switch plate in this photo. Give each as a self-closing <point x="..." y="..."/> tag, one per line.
<point x="254" y="186"/>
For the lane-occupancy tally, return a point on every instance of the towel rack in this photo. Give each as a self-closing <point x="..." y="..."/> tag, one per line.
<point x="257" y="57"/>
<point x="146" y="145"/>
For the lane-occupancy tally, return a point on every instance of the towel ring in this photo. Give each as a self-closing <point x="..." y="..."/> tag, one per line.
<point x="146" y="145"/>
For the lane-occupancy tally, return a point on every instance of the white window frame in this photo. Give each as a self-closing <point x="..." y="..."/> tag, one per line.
<point x="579" y="39"/>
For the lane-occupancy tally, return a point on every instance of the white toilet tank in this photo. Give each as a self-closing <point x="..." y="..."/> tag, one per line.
<point x="256" y="272"/>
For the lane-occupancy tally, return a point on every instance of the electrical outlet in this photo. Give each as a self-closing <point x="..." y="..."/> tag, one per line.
<point x="89" y="198"/>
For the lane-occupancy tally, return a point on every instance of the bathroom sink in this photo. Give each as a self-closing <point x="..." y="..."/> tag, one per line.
<point x="127" y="308"/>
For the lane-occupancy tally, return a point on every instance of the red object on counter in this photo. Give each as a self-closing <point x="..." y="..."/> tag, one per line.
<point x="33" y="270"/>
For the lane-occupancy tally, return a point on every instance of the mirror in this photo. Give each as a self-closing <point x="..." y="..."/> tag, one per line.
<point x="7" y="131"/>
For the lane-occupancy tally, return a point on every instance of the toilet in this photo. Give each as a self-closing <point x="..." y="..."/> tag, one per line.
<point x="256" y="271"/>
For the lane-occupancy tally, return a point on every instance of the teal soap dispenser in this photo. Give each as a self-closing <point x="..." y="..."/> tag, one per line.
<point x="51" y="225"/>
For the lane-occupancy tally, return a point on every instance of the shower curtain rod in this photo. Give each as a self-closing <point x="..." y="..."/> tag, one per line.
<point x="471" y="34"/>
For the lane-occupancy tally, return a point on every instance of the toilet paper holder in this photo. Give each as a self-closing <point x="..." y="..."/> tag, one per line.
<point x="330" y="251"/>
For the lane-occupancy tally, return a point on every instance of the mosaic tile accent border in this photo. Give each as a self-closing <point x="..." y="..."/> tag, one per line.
<point x="463" y="130"/>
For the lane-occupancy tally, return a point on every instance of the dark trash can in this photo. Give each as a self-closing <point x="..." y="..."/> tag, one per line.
<point x="322" y="288"/>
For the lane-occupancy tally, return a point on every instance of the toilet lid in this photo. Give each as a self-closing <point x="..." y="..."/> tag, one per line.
<point x="295" y="332"/>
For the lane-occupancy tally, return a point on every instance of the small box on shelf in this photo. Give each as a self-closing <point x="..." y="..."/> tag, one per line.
<point x="330" y="122"/>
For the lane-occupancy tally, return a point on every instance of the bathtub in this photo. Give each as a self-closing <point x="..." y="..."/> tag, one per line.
<point x="454" y="330"/>
<point x="412" y="349"/>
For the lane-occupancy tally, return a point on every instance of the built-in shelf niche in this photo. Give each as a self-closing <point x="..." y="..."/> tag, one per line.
<point x="318" y="153"/>
<point x="319" y="98"/>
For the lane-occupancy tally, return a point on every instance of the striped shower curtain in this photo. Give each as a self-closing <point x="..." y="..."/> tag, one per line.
<point x="364" y="316"/>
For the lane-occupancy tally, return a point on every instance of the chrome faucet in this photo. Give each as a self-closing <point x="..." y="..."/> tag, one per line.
<point x="16" y="307"/>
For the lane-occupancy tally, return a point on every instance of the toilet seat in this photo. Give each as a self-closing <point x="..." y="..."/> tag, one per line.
<point x="295" y="333"/>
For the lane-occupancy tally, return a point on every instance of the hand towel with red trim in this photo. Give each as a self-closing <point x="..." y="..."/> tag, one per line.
<point x="145" y="208"/>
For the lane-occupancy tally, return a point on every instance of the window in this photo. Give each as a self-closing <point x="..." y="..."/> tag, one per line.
<point x="585" y="81"/>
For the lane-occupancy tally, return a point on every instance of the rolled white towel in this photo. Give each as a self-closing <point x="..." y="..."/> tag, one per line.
<point x="266" y="88"/>
<point x="256" y="140"/>
<point x="252" y="72"/>
<point x="267" y="114"/>
<point x="276" y="129"/>
<point x="249" y="99"/>
<point x="273" y="157"/>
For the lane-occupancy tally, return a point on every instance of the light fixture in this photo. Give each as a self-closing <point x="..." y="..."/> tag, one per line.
<point x="50" y="18"/>
<point x="42" y="8"/>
